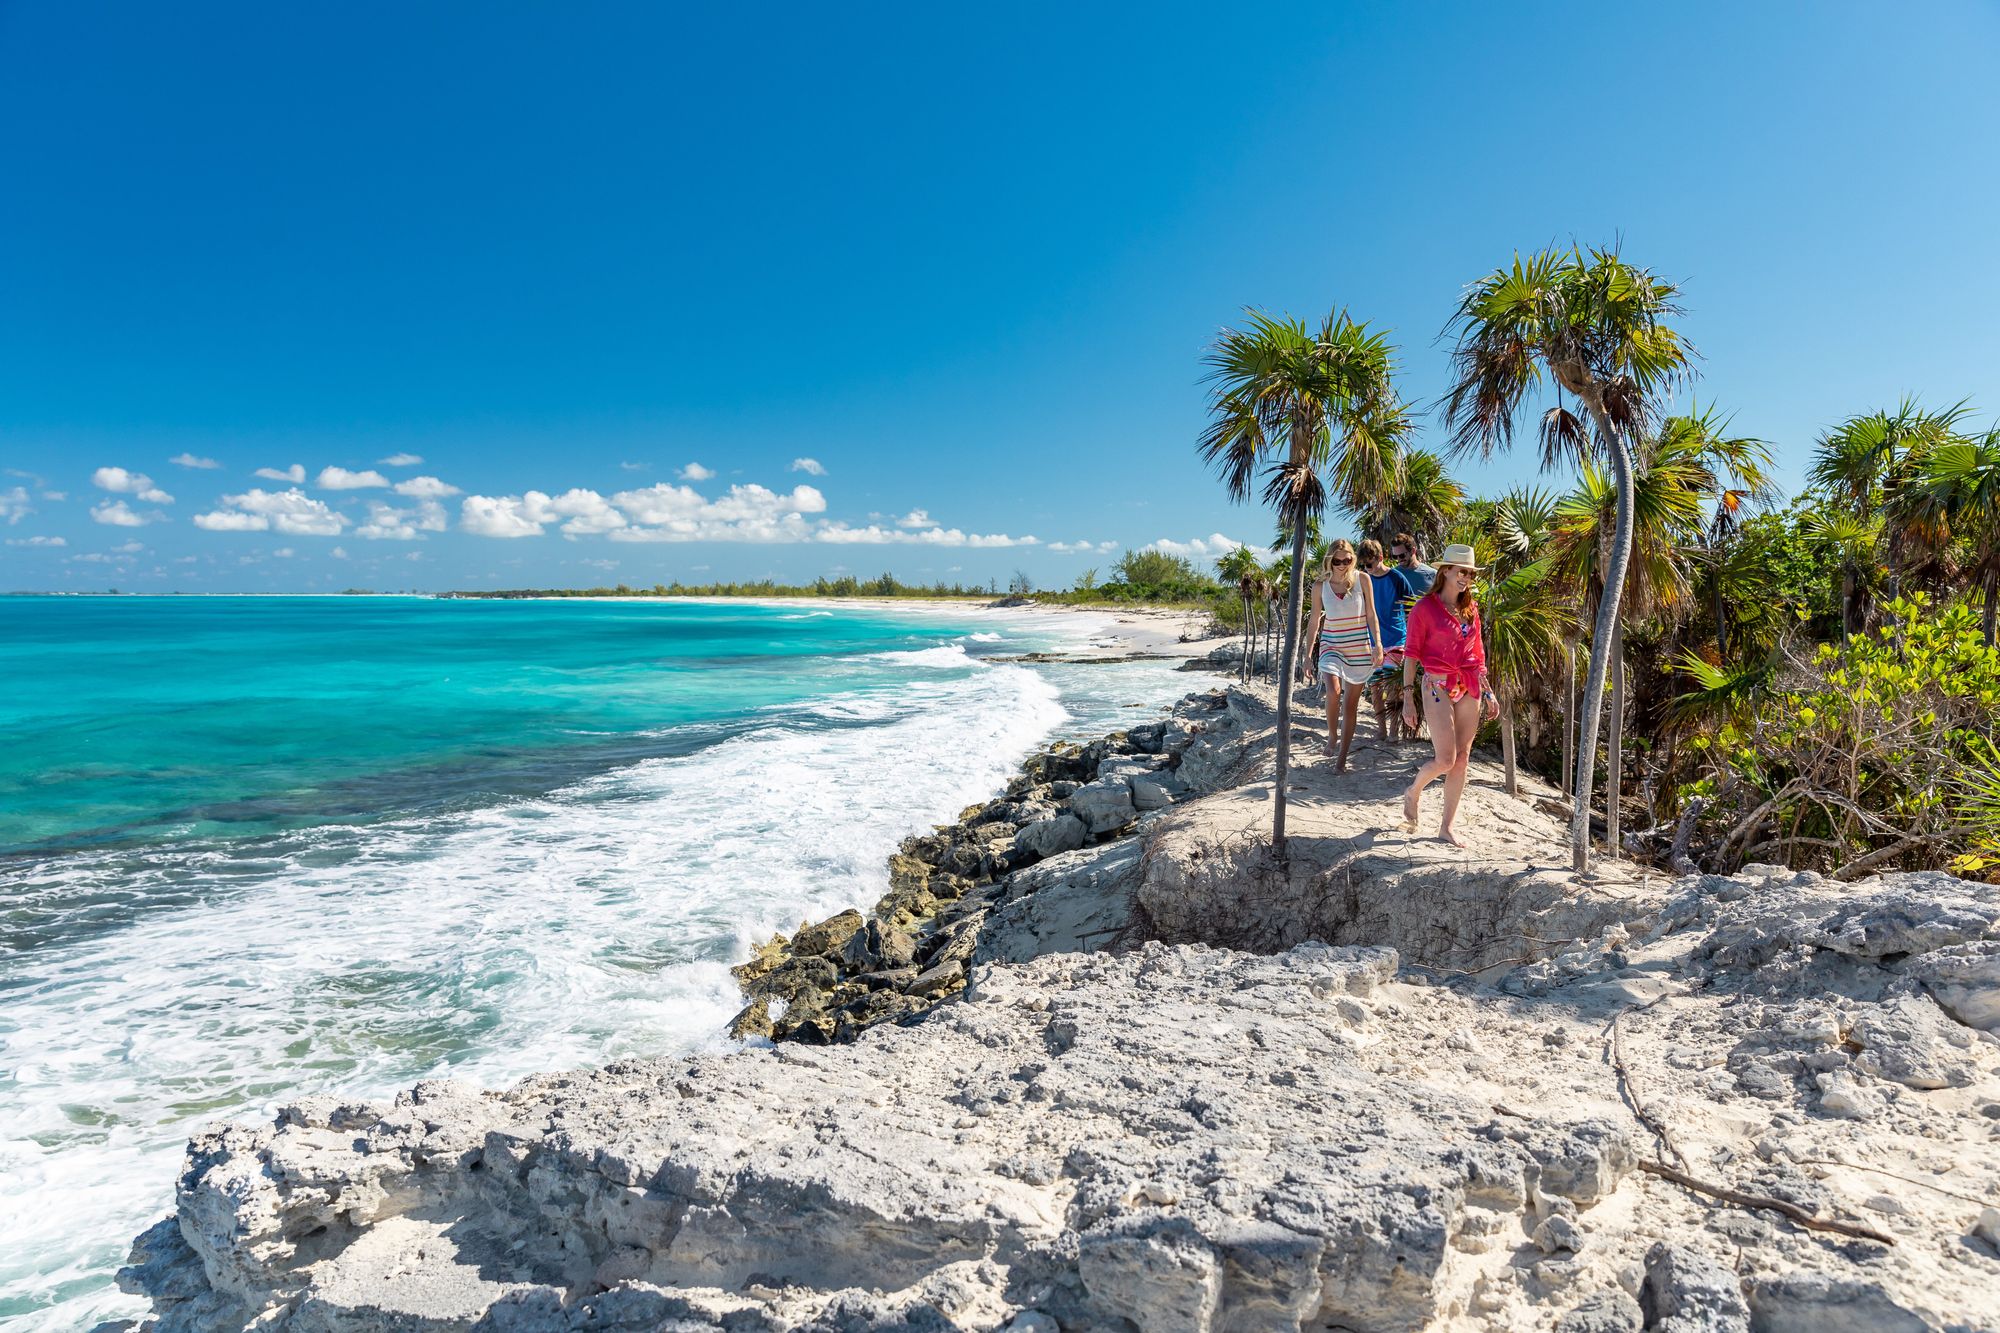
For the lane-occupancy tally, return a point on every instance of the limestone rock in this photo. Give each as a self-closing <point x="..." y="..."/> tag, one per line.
<point x="1104" y="804"/>
<point x="781" y="1189"/>
<point x="1050" y="837"/>
<point x="1686" y="1292"/>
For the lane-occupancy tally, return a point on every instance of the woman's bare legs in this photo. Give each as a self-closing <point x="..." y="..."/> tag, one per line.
<point x="1465" y="726"/>
<point x="1332" y="716"/>
<point x="1444" y="741"/>
<point x="1352" y="694"/>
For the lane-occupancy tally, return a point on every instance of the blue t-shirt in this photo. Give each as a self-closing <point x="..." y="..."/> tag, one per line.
<point x="1419" y="576"/>
<point x="1392" y="594"/>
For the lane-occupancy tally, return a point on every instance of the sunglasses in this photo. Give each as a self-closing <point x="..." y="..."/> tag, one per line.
<point x="1338" y="563"/>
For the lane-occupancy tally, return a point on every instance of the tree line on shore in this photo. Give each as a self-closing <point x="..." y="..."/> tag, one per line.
<point x="1812" y="682"/>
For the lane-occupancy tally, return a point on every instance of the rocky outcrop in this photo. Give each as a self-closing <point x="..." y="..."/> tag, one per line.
<point x="1044" y="1146"/>
<point x="834" y="979"/>
<point x="1420" y="1088"/>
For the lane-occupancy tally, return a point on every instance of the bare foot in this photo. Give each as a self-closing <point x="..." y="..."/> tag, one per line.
<point x="1410" y="810"/>
<point x="1340" y="765"/>
<point x="1327" y="751"/>
<point x="1446" y="835"/>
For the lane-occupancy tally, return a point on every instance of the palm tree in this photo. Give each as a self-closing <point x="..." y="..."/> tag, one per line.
<point x="1425" y="504"/>
<point x="1688" y="466"/>
<point x="1959" y="491"/>
<point x="1290" y="401"/>
<point x="1525" y="622"/>
<point x="1595" y="325"/>
<point x="1241" y="565"/>
<point x="1867" y="466"/>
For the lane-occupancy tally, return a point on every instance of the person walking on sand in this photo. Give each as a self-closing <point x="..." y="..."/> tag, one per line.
<point x="1350" y="642"/>
<point x="1410" y="559"/>
<point x="1393" y="595"/>
<point x="1443" y="636"/>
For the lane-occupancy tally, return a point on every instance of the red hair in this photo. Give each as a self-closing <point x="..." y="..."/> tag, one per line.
<point x="1467" y="607"/>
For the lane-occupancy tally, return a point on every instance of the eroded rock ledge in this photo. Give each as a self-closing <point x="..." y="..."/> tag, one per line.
<point x="1283" y="1134"/>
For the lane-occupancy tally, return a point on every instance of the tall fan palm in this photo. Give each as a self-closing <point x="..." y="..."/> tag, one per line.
<point x="1686" y="469"/>
<point x="1290" y="401"/>
<point x="1959" y="490"/>
<point x="1595" y="325"/>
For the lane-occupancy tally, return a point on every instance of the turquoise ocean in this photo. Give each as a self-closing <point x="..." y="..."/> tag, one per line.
<point x="252" y="848"/>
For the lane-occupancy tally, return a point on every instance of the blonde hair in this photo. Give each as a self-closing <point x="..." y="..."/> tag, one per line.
<point x="1371" y="551"/>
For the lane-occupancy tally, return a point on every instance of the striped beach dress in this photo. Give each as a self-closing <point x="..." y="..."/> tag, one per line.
<point x="1346" y="649"/>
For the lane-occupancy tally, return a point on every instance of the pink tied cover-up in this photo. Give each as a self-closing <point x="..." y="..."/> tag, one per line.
<point x="1451" y="651"/>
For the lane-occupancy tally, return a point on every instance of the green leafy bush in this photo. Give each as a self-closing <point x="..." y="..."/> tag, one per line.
<point x="1868" y="756"/>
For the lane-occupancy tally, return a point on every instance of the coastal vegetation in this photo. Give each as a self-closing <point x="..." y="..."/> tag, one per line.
<point x="1812" y="681"/>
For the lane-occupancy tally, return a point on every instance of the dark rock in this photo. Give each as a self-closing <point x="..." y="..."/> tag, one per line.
<point x="1685" y="1292"/>
<point x="942" y="979"/>
<point x="828" y="936"/>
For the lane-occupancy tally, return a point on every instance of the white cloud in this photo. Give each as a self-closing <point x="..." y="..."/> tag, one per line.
<point x="498" y="516"/>
<point x="189" y="460"/>
<point x="118" y="514"/>
<point x="916" y="518"/>
<point x="426" y="488"/>
<point x="14" y="504"/>
<point x="745" y="514"/>
<point x="119" y="481"/>
<point x="99" y="558"/>
<point x="37" y="541"/>
<point x="696" y="472"/>
<point x="291" y="512"/>
<point x="340" y="479"/>
<point x="228" y="520"/>
<point x="933" y="536"/>
<point x="1073" y="548"/>
<point x="388" y="523"/>
<point x="400" y="460"/>
<point x="585" y="511"/>
<point x="284" y="553"/>
<point x="295" y="474"/>
<point x="602" y="564"/>
<point x="338" y="553"/>
<point x="52" y="495"/>
<point x="129" y="548"/>
<point x="810" y="466"/>
<point x="1211" y="547"/>
<point x="635" y="467"/>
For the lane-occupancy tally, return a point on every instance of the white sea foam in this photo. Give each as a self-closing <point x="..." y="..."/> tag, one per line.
<point x="805" y="615"/>
<point x="982" y="637"/>
<point x="945" y="656"/>
<point x="593" y="923"/>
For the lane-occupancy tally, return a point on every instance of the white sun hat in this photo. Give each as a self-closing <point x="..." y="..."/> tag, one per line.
<point x="1458" y="553"/>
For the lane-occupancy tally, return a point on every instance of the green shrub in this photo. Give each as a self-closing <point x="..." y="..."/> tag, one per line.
<point x="1871" y="755"/>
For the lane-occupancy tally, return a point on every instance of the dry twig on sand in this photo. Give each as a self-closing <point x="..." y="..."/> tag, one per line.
<point x="1629" y="1090"/>
<point x="1742" y="1200"/>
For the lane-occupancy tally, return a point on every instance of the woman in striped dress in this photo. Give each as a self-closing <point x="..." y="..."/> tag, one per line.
<point x="1349" y="641"/>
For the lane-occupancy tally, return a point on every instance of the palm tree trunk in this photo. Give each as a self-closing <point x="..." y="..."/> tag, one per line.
<point x="1614" y="748"/>
<point x="1601" y="633"/>
<point x="1721" y="626"/>
<point x="1569" y="719"/>
<point x="1283" y="765"/>
<point x="1990" y="620"/>
<point x="1243" y="667"/>
<point x="1513" y="784"/>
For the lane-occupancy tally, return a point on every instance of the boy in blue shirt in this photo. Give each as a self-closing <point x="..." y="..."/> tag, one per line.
<point x="1394" y="595"/>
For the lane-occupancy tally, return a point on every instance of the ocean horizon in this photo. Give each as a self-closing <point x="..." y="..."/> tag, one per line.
<point x="253" y="848"/>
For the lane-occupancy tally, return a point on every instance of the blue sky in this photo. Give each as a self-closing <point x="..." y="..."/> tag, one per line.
<point x="965" y="261"/>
